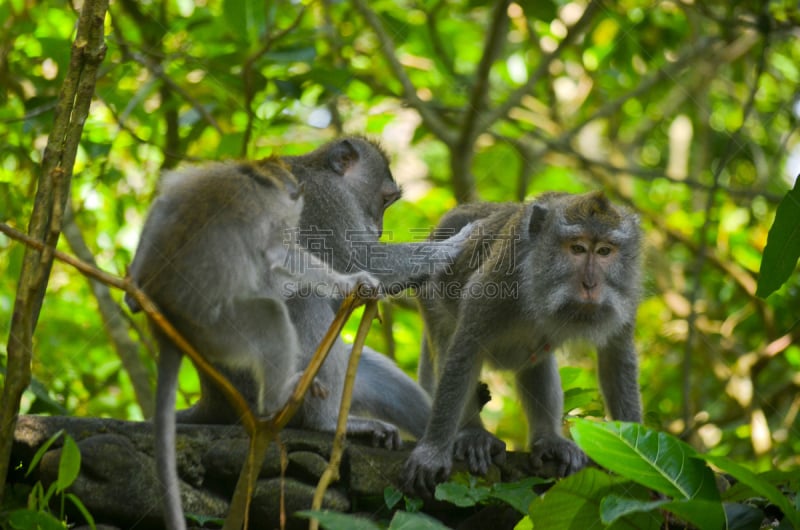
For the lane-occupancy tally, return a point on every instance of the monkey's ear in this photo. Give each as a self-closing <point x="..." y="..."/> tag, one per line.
<point x="538" y="216"/>
<point x="342" y="156"/>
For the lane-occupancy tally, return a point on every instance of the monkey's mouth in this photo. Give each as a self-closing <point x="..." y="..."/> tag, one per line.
<point x="583" y="310"/>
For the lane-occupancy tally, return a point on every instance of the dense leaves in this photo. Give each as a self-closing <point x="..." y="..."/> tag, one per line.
<point x="686" y="111"/>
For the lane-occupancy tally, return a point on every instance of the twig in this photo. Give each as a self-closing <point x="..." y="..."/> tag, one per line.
<point x="542" y="69"/>
<point x="431" y="119"/>
<point x="149" y="307"/>
<point x="331" y="473"/>
<point x="265" y="431"/>
<point x="694" y="293"/>
<point x="114" y="320"/>
<point x="247" y="75"/>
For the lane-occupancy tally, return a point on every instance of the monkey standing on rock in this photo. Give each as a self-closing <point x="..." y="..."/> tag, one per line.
<point x="538" y="274"/>
<point x="212" y="256"/>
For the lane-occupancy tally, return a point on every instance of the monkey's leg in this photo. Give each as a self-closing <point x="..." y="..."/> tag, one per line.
<point x="431" y="460"/>
<point x="384" y="391"/>
<point x="425" y="371"/>
<point x="474" y="444"/>
<point x="539" y="388"/>
<point x="322" y="414"/>
<point x="618" y="371"/>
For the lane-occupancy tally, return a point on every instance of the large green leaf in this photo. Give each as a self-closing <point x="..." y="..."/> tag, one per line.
<point x="575" y="502"/>
<point x="651" y="458"/>
<point x="658" y="461"/>
<point x="783" y="244"/>
<point x="757" y="484"/>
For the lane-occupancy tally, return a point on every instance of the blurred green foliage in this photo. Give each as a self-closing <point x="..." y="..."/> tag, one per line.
<point x="663" y="105"/>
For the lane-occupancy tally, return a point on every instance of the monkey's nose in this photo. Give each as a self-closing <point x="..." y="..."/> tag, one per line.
<point x="589" y="284"/>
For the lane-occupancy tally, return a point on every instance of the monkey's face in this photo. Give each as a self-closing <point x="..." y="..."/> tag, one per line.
<point x="589" y="277"/>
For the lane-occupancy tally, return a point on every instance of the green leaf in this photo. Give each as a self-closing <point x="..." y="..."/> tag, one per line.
<point x="415" y="521"/>
<point x="41" y="451"/>
<point x="758" y="484"/>
<point x="33" y="520"/>
<point x="614" y="507"/>
<point x="69" y="465"/>
<point x="574" y="502"/>
<point x="338" y="521"/>
<point x="462" y="495"/>
<point x="392" y="496"/>
<point x="81" y="508"/>
<point x="654" y="459"/>
<point x="783" y="244"/>
<point x="519" y="494"/>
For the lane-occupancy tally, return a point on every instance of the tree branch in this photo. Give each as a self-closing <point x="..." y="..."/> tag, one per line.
<point x="114" y="321"/>
<point x="542" y="69"/>
<point x="75" y="97"/>
<point x="431" y="119"/>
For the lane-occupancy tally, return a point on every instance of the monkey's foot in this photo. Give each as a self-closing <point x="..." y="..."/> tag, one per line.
<point x="380" y="433"/>
<point x="479" y="448"/>
<point x="427" y="466"/>
<point x="556" y="456"/>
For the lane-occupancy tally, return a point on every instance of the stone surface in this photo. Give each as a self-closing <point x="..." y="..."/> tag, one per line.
<point x="118" y="484"/>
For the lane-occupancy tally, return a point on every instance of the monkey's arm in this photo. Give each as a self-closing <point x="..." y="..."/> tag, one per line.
<point x="432" y="458"/>
<point x="296" y="269"/>
<point x="399" y="266"/>
<point x="543" y="400"/>
<point x="618" y="371"/>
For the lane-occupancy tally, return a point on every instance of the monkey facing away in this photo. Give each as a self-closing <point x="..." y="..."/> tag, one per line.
<point x="347" y="187"/>
<point x="213" y="255"/>
<point x="538" y="274"/>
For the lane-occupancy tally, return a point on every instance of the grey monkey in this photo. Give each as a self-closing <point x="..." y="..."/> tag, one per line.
<point x="538" y="274"/>
<point x="347" y="187"/>
<point x="212" y="256"/>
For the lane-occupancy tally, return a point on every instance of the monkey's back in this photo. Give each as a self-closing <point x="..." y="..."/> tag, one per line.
<point x="206" y="232"/>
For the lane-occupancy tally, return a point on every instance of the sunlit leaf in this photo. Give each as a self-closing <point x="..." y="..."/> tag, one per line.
<point x="783" y="244"/>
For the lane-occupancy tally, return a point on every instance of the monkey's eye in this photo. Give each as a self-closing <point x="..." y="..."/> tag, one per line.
<point x="604" y="251"/>
<point x="577" y="248"/>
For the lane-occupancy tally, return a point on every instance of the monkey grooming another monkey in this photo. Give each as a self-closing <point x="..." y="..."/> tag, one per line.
<point x="538" y="274"/>
<point x="347" y="187"/>
<point x="212" y="256"/>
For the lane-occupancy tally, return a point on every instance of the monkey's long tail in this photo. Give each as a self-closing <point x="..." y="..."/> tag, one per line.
<point x="169" y="363"/>
<point x="384" y="391"/>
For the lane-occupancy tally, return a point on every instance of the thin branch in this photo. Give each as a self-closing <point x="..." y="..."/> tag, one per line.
<point x="491" y="50"/>
<point x="694" y="293"/>
<point x="331" y="473"/>
<point x="431" y="119"/>
<point x="247" y="74"/>
<point x="113" y="320"/>
<point x="149" y="307"/>
<point x="542" y="69"/>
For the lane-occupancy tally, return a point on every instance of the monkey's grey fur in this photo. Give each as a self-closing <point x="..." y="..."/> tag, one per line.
<point x="538" y="274"/>
<point x="347" y="187"/>
<point x="213" y="256"/>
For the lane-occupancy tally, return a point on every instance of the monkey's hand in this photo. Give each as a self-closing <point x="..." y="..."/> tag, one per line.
<point x="479" y="448"/>
<point x="555" y="455"/>
<point x="367" y="285"/>
<point x="427" y="465"/>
